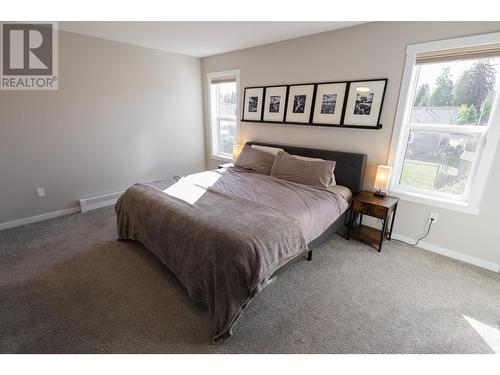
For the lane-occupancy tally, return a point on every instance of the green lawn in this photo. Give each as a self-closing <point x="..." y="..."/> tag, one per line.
<point x="423" y="174"/>
<point x="420" y="174"/>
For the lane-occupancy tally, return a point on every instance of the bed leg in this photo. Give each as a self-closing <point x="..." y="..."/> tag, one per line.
<point x="309" y="255"/>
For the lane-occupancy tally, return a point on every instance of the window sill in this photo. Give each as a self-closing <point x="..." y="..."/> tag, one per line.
<point x="225" y="159"/>
<point x="447" y="204"/>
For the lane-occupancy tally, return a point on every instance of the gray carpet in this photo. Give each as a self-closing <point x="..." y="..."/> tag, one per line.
<point x="67" y="286"/>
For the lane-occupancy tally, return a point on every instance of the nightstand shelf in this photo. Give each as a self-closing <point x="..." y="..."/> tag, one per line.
<point x="382" y="208"/>
<point x="367" y="234"/>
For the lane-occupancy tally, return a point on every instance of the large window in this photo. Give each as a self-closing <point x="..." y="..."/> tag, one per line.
<point x="449" y="99"/>
<point x="223" y="104"/>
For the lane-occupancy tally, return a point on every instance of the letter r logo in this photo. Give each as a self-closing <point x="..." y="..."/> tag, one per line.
<point x="27" y="49"/>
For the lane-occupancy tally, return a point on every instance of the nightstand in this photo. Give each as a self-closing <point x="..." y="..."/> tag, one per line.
<point x="225" y="165"/>
<point x="366" y="203"/>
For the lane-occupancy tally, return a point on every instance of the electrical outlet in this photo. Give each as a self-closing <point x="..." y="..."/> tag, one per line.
<point x="434" y="216"/>
<point x="40" y="192"/>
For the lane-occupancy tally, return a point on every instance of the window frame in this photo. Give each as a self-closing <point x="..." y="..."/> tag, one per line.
<point x="487" y="144"/>
<point x="214" y="118"/>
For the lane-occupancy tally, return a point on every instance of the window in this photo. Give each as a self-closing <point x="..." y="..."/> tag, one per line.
<point x="448" y="122"/>
<point x="223" y="89"/>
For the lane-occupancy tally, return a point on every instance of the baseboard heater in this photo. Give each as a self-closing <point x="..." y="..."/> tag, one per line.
<point x="99" y="201"/>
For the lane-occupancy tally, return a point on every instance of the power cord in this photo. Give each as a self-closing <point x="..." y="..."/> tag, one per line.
<point x="421" y="238"/>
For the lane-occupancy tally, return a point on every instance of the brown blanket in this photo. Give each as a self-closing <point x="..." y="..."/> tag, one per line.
<point x="223" y="248"/>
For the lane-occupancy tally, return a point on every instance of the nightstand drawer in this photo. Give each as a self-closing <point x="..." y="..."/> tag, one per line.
<point x="368" y="209"/>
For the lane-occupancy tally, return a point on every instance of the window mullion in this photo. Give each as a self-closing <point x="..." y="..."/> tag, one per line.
<point x="449" y="128"/>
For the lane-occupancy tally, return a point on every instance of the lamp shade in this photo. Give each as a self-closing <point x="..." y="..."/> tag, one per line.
<point x="382" y="178"/>
<point x="237" y="150"/>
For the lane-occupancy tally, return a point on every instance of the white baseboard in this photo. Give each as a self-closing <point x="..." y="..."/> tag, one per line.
<point x="85" y="205"/>
<point x="34" y="219"/>
<point x="99" y="201"/>
<point x="450" y="253"/>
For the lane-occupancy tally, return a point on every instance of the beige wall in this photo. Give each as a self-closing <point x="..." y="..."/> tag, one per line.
<point x="375" y="50"/>
<point x="122" y="114"/>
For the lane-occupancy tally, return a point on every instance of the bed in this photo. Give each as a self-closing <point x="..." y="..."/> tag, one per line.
<point x="225" y="233"/>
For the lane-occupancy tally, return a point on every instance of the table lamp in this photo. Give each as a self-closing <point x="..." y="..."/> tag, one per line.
<point x="382" y="180"/>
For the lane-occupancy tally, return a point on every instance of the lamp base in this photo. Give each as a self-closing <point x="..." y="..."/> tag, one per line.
<point x="380" y="193"/>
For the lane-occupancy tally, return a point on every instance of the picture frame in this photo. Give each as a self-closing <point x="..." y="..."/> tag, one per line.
<point x="252" y="103"/>
<point x="300" y="103"/>
<point x="329" y="103"/>
<point x="344" y="110"/>
<point x="275" y="101"/>
<point x="364" y="103"/>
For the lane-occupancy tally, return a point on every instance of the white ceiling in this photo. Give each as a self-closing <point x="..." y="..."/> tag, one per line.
<point x="201" y="39"/>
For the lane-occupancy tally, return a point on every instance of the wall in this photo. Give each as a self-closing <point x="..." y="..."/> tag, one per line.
<point x="122" y="114"/>
<point x="374" y="50"/>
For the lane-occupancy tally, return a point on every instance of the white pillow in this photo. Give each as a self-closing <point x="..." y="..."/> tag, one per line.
<point x="271" y="150"/>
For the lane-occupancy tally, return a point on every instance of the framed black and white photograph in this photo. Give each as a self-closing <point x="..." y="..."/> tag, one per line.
<point x="299" y="104"/>
<point x="329" y="103"/>
<point x="274" y="103"/>
<point x="252" y="103"/>
<point x="364" y="103"/>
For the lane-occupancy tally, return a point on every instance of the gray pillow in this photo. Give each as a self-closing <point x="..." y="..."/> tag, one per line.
<point x="308" y="172"/>
<point x="333" y="183"/>
<point x="255" y="160"/>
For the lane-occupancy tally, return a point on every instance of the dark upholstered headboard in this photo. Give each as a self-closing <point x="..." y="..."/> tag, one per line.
<point x="349" y="167"/>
